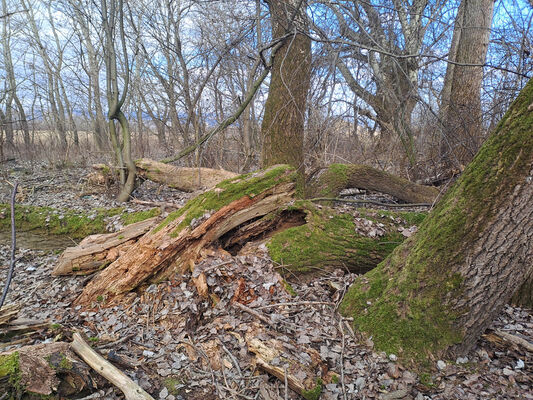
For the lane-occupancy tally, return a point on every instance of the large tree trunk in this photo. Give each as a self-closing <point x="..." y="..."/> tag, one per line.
<point x="283" y="123"/>
<point x="439" y="290"/>
<point x="461" y="102"/>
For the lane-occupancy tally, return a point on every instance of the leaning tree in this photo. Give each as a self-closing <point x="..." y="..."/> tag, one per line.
<point x="438" y="291"/>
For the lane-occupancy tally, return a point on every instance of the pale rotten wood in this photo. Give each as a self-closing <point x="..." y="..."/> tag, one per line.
<point x="8" y="312"/>
<point x="515" y="340"/>
<point x="131" y="390"/>
<point x="157" y="255"/>
<point x="186" y="179"/>
<point x="272" y="355"/>
<point x="97" y="250"/>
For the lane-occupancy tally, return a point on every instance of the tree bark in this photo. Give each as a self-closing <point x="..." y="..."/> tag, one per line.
<point x="438" y="291"/>
<point x="461" y="97"/>
<point x="283" y="122"/>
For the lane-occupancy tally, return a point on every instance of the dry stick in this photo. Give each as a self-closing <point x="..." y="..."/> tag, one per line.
<point x="231" y="356"/>
<point x="13" y="245"/>
<point x="131" y="390"/>
<point x="377" y="203"/>
<point x="261" y="317"/>
<point x="155" y="203"/>
<point x="342" y="359"/>
<point x="297" y="303"/>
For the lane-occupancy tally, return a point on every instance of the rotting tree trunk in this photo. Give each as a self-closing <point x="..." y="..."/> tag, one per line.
<point x="43" y="371"/>
<point x="330" y="181"/>
<point x="303" y="237"/>
<point x="175" y="245"/>
<point x="283" y="123"/>
<point x="96" y="251"/>
<point x="181" y="178"/>
<point x="438" y="291"/>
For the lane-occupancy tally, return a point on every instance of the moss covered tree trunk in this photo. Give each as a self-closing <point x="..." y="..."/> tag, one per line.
<point x="438" y="291"/>
<point x="283" y="123"/>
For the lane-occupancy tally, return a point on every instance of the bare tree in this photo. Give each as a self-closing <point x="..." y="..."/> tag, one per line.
<point x="113" y="24"/>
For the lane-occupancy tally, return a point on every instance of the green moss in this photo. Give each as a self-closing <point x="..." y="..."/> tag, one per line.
<point x="131" y="218"/>
<point x="65" y="363"/>
<point x="335" y="379"/>
<point x="55" y="326"/>
<point x="314" y="393"/>
<point x="337" y="176"/>
<point x="426" y="379"/>
<point x="99" y="298"/>
<point x="76" y="224"/>
<point x="227" y="191"/>
<point x="10" y="369"/>
<point x="289" y="288"/>
<point x="57" y="222"/>
<point x="329" y="239"/>
<point x="173" y="385"/>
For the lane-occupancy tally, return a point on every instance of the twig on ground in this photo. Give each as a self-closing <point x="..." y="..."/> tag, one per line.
<point x="231" y="356"/>
<point x="296" y="303"/>
<point x="261" y="317"/>
<point x="341" y="329"/>
<point x="131" y="390"/>
<point x="515" y="340"/>
<point x="13" y="245"/>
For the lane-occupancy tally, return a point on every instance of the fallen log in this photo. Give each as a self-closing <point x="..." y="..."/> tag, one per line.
<point x="328" y="182"/>
<point x="97" y="251"/>
<point x="182" y="178"/>
<point x="43" y="370"/>
<point x="176" y="244"/>
<point x="259" y="207"/>
<point x="131" y="390"/>
<point x="21" y="326"/>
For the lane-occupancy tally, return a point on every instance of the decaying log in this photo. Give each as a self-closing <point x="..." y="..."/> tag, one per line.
<point x="97" y="251"/>
<point x="103" y="175"/>
<point x="515" y="340"/>
<point x="131" y="390"/>
<point x="175" y="245"/>
<point x="301" y="366"/>
<point x="182" y="178"/>
<point x="8" y="312"/>
<point x="329" y="182"/>
<point x="20" y="326"/>
<point x="43" y="370"/>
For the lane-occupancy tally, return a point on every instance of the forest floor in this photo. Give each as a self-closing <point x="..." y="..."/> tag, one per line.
<point x="176" y="345"/>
